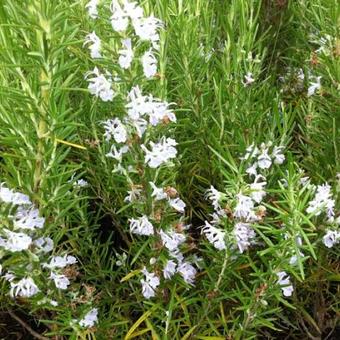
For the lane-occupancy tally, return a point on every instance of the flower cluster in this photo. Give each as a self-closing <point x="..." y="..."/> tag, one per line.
<point x="128" y="136"/>
<point x="247" y="203"/>
<point x="263" y="157"/>
<point x="33" y="272"/>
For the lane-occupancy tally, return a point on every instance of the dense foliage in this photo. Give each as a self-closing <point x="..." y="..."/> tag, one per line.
<point x="169" y="169"/>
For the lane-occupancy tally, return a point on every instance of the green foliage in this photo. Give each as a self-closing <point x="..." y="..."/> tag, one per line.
<point x="51" y="135"/>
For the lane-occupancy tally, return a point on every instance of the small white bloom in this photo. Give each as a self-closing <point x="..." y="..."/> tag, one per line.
<point x="137" y="104"/>
<point x="314" y="86"/>
<point x="133" y="195"/>
<point x="24" y="288"/>
<point x="149" y="63"/>
<point x="277" y="154"/>
<point x="44" y="244"/>
<point x="264" y="161"/>
<point x="157" y="193"/>
<point x="9" y="276"/>
<point x="215" y="236"/>
<point x="95" y="45"/>
<point x="252" y="170"/>
<point x="331" y="238"/>
<point x="257" y="192"/>
<point x="252" y="151"/>
<point x="80" y="183"/>
<point x="160" y="153"/>
<point x="61" y="261"/>
<point x="92" y="8"/>
<point x="152" y="261"/>
<point x="54" y="303"/>
<point x="244" y="236"/>
<point x="100" y="86"/>
<point x="322" y="201"/>
<point x="169" y="269"/>
<point x="28" y="219"/>
<point x="177" y="204"/>
<point x="115" y="129"/>
<point x="150" y="284"/>
<point x="90" y="319"/>
<point x="16" y="198"/>
<point x="60" y="281"/>
<point x="248" y="79"/>
<point x="15" y="241"/>
<point x="133" y="10"/>
<point x="244" y="208"/>
<point x="146" y="28"/>
<point x="159" y="112"/>
<point x="215" y="197"/>
<point x="117" y="154"/>
<point x="187" y="271"/>
<point x="119" y="18"/>
<point x="141" y="226"/>
<point x="284" y="282"/>
<point x="172" y="240"/>
<point x="126" y="54"/>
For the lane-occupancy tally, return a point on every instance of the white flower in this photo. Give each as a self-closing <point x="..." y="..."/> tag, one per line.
<point x="161" y="152"/>
<point x="149" y="62"/>
<point x="331" y="238"/>
<point x="54" y="303"/>
<point x="141" y="226"/>
<point x="146" y="28"/>
<point x="245" y="208"/>
<point x="93" y="39"/>
<point x="137" y="104"/>
<point x="119" y="18"/>
<point x="159" y="111"/>
<point x="115" y="129"/>
<point x="126" y="54"/>
<point x="251" y="152"/>
<point x="322" y="201"/>
<point x="99" y="85"/>
<point x="92" y="8"/>
<point x="284" y="282"/>
<point x="252" y="169"/>
<point x="257" y="192"/>
<point x="133" y="195"/>
<point x="150" y="284"/>
<point x="117" y="154"/>
<point x="80" y="183"/>
<point x="169" y="269"/>
<point x="157" y="193"/>
<point x="215" y="236"/>
<point x="264" y="161"/>
<point x="60" y="261"/>
<point x="177" y="204"/>
<point x="215" y="197"/>
<point x="277" y="154"/>
<point x="244" y="236"/>
<point x="44" y="244"/>
<point x="28" y="219"/>
<point x="16" y="198"/>
<point x="133" y="10"/>
<point x="172" y="240"/>
<point x="24" y="288"/>
<point x="60" y="281"/>
<point x="15" y="241"/>
<point x="187" y="271"/>
<point x="314" y="86"/>
<point x="140" y="125"/>
<point x="90" y="319"/>
<point x="248" y="79"/>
